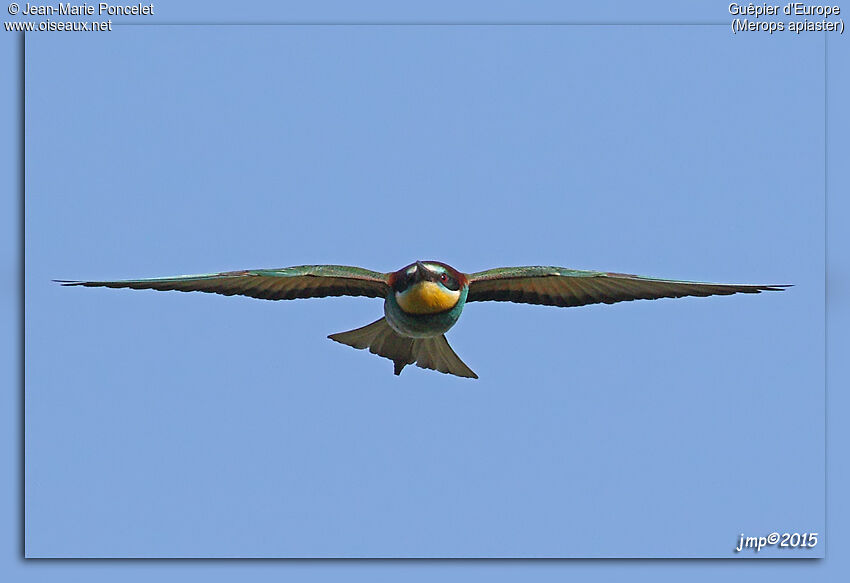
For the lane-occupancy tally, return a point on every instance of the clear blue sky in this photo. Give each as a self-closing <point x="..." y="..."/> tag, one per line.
<point x="165" y="424"/>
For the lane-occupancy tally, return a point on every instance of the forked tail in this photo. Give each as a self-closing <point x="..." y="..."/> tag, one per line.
<point x="434" y="353"/>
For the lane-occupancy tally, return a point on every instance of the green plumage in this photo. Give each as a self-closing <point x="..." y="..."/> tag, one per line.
<point x="559" y="286"/>
<point x="304" y="281"/>
<point x="433" y="353"/>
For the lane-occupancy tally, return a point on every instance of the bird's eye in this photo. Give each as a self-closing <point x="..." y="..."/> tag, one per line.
<point x="444" y="278"/>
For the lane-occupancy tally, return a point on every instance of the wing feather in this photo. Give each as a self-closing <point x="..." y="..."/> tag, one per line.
<point x="305" y="281"/>
<point x="559" y="286"/>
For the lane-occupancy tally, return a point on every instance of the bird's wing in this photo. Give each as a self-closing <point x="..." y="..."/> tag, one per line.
<point x="306" y="281"/>
<point x="558" y="286"/>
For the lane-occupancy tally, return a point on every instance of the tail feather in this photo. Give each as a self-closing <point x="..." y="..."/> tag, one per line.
<point x="433" y="353"/>
<point x="436" y="354"/>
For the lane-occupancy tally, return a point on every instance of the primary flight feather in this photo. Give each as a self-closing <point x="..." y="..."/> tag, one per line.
<point x="424" y="300"/>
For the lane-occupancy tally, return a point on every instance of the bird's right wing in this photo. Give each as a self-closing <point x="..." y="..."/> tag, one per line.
<point x="306" y="281"/>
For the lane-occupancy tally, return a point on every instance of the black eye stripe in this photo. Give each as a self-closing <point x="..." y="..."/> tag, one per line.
<point x="404" y="280"/>
<point x="449" y="282"/>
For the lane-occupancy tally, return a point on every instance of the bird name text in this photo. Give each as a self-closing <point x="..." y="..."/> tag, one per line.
<point x="804" y="18"/>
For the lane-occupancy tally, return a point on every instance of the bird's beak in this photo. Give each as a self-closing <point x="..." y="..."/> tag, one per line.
<point x="421" y="272"/>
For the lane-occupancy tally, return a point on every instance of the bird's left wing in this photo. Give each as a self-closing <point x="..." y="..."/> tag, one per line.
<point x="559" y="286"/>
<point x="305" y="281"/>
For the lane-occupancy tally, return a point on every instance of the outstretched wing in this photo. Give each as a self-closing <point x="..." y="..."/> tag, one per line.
<point x="558" y="286"/>
<point x="306" y="281"/>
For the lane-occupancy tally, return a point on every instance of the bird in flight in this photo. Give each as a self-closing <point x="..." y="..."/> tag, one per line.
<point x="423" y="300"/>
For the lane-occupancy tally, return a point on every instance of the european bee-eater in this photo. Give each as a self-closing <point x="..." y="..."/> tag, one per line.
<point x="423" y="300"/>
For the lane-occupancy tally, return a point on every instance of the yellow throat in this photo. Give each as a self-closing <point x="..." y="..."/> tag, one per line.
<point x="427" y="297"/>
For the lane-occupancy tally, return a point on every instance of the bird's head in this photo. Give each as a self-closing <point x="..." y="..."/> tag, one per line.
<point x="427" y="287"/>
